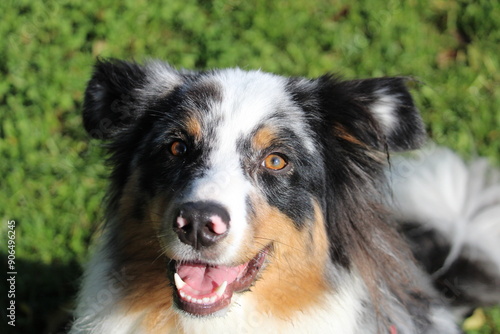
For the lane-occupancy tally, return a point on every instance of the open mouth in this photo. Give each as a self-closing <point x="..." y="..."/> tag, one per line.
<point x="203" y="289"/>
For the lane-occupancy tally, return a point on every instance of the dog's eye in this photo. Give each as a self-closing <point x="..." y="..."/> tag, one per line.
<point x="275" y="161"/>
<point x="178" y="148"/>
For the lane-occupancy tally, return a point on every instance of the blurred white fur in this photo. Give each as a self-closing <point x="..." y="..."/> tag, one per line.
<point x="437" y="189"/>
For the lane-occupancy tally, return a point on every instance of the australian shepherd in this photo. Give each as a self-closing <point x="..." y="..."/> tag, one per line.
<point x="246" y="202"/>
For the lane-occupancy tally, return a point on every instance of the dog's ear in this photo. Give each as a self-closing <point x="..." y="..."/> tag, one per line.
<point x="376" y="112"/>
<point x="108" y="104"/>
<point x="116" y="94"/>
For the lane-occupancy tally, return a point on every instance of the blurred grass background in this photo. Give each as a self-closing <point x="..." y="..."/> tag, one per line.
<point x="53" y="177"/>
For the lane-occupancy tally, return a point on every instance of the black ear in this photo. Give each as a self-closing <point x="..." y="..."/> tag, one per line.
<point x="118" y="93"/>
<point x="108" y="104"/>
<point x="378" y="112"/>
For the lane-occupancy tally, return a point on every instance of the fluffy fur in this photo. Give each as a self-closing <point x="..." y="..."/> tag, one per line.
<point x="244" y="202"/>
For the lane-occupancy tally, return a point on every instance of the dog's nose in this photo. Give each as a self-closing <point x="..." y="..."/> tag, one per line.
<point x="201" y="224"/>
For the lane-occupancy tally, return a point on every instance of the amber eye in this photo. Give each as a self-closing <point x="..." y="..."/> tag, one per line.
<point x="274" y="162"/>
<point x="178" y="148"/>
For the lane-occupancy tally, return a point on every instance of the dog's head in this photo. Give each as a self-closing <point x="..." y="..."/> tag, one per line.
<point x="233" y="175"/>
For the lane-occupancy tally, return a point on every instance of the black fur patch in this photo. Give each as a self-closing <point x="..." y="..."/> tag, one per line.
<point x="110" y="97"/>
<point x="464" y="282"/>
<point x="292" y="190"/>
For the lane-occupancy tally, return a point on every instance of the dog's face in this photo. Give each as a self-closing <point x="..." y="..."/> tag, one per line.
<point x="232" y="171"/>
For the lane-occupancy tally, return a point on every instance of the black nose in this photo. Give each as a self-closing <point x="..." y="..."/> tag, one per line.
<point x="201" y="224"/>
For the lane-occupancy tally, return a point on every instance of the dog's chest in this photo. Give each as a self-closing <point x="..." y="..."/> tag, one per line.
<point x="245" y="317"/>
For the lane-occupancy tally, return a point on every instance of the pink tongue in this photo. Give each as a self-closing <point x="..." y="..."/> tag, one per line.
<point x="206" y="278"/>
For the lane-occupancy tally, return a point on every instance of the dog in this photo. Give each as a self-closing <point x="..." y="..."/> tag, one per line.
<point x="247" y="202"/>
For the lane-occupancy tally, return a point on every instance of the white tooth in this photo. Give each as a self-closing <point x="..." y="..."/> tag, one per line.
<point x="179" y="283"/>
<point x="206" y="300"/>
<point x="183" y="295"/>
<point x="213" y="299"/>
<point x="221" y="289"/>
<point x="188" y="297"/>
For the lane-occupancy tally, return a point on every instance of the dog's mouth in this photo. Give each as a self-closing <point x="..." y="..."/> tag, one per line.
<point x="202" y="289"/>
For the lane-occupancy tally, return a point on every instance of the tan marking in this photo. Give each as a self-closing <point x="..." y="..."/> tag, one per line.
<point x="127" y="202"/>
<point x="342" y="133"/>
<point x="193" y="128"/>
<point x="147" y="287"/>
<point x="376" y="155"/>
<point x="294" y="280"/>
<point x="263" y="138"/>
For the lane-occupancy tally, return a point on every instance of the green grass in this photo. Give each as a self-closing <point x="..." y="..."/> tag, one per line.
<point x="53" y="177"/>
